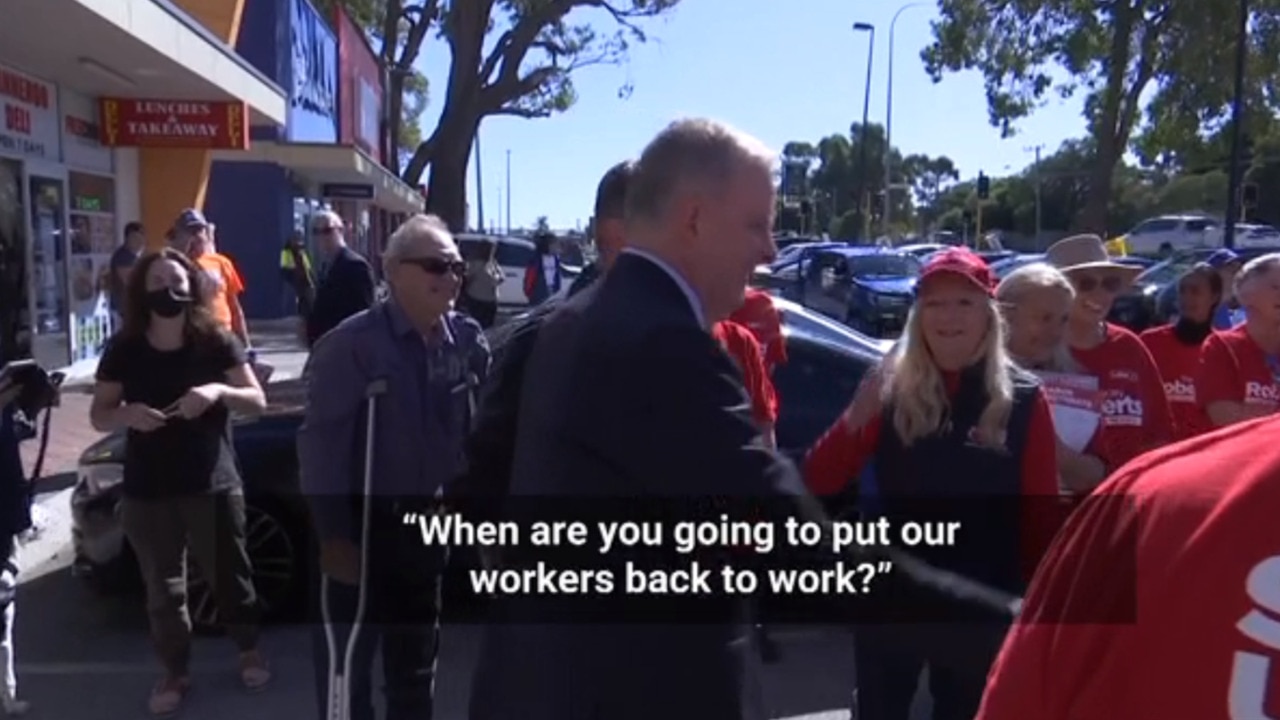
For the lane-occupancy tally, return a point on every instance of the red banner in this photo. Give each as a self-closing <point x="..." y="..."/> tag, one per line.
<point x="174" y="123"/>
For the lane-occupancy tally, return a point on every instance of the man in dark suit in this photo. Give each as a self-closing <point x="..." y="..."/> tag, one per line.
<point x="634" y="399"/>
<point x="346" y="280"/>
<point x="492" y="443"/>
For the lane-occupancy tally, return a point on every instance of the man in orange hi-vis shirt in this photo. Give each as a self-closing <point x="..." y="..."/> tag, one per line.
<point x="194" y="233"/>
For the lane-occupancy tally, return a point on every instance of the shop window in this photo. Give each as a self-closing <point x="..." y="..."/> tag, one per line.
<point x="93" y="240"/>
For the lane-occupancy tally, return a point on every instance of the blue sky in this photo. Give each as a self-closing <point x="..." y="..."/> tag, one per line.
<point x="794" y="75"/>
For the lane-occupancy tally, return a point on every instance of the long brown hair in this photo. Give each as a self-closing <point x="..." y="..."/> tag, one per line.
<point x="137" y="316"/>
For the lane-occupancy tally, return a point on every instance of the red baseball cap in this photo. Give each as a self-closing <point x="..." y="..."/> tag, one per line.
<point x="963" y="262"/>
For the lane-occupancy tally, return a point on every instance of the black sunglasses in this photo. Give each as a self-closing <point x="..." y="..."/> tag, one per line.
<point x="436" y="266"/>
<point x="1089" y="283"/>
<point x="325" y="230"/>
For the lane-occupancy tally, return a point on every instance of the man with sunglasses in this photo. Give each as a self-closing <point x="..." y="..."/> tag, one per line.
<point x="346" y="283"/>
<point x="431" y="360"/>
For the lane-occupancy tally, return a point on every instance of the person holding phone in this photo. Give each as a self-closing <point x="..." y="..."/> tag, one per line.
<point x="171" y="378"/>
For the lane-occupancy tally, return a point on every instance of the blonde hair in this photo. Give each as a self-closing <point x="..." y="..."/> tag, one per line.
<point x="1034" y="277"/>
<point x="914" y="385"/>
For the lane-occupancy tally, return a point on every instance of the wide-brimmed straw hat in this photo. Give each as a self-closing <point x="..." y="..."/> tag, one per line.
<point x="1085" y="252"/>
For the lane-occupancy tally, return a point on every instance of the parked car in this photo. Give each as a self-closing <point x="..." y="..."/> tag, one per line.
<point x="1166" y="234"/>
<point x="826" y="361"/>
<point x="1153" y="298"/>
<point x="513" y="256"/>
<point x="867" y="288"/>
<point x="921" y="250"/>
<point x="1007" y="265"/>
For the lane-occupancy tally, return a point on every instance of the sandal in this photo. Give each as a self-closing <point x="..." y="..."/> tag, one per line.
<point x="255" y="673"/>
<point x="167" y="696"/>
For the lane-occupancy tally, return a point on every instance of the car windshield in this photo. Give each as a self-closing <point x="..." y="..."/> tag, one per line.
<point x="884" y="266"/>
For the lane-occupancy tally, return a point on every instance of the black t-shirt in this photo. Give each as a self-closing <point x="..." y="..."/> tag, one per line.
<point x="185" y="457"/>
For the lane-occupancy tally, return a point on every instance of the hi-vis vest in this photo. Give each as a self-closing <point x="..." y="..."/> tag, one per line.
<point x="286" y="260"/>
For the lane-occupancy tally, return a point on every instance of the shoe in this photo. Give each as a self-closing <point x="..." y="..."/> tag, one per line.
<point x="255" y="673"/>
<point x="14" y="707"/>
<point x="167" y="696"/>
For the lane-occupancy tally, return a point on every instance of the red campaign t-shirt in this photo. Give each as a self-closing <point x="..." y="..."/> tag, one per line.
<point x="1179" y="364"/>
<point x="1204" y="642"/>
<point x="1234" y="367"/>
<point x="745" y="351"/>
<point x="759" y="315"/>
<point x="1135" y="413"/>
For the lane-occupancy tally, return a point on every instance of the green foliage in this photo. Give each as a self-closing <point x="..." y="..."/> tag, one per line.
<point x="1177" y="55"/>
<point x="832" y="169"/>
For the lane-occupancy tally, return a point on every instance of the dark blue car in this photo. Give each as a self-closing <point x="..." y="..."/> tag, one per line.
<point x="870" y="289"/>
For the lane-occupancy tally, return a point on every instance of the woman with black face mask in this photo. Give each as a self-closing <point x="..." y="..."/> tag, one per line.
<point x="170" y="378"/>
<point x="1176" y="347"/>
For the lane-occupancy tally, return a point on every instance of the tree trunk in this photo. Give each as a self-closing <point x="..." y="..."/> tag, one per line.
<point x="1107" y="125"/>
<point x="450" y="158"/>
<point x="395" y="114"/>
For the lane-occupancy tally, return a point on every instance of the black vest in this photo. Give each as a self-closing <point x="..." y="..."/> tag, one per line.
<point x="949" y="477"/>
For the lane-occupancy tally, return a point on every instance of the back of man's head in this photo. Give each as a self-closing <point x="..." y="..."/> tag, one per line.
<point x="702" y="198"/>
<point x="690" y="155"/>
<point x="611" y="201"/>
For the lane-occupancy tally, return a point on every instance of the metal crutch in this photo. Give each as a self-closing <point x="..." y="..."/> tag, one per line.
<point x="340" y="681"/>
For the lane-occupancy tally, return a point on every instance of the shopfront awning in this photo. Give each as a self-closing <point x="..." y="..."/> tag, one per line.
<point x="132" y="49"/>
<point x="334" y="165"/>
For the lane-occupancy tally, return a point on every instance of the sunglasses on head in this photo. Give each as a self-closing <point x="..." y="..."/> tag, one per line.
<point x="1089" y="283"/>
<point x="437" y="266"/>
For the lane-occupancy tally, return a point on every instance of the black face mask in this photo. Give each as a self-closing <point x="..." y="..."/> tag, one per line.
<point x="167" y="303"/>
<point x="1190" y="332"/>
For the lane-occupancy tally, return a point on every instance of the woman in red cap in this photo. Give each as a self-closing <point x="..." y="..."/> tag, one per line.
<point x="947" y="419"/>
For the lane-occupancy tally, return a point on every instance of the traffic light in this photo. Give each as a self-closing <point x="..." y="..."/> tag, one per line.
<point x="984" y="186"/>
<point x="1249" y="195"/>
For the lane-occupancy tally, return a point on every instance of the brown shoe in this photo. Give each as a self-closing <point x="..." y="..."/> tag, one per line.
<point x="167" y="696"/>
<point x="255" y="673"/>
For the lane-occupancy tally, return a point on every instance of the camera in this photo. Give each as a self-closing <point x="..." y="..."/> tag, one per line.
<point x="38" y="389"/>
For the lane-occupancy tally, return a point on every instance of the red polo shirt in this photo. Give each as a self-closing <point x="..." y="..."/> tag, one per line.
<point x="1204" y="642"/>
<point x="1179" y="364"/>
<point x="741" y="345"/>
<point x="1234" y="367"/>
<point x="759" y="315"/>
<point x="1135" y="412"/>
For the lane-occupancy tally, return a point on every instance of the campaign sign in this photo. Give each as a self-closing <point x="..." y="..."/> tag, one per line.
<point x="1076" y="402"/>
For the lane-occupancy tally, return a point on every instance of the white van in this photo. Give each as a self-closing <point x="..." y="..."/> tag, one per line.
<point x="514" y="255"/>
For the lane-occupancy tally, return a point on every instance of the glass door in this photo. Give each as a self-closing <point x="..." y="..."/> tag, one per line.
<point x="15" y="300"/>
<point x="48" y="257"/>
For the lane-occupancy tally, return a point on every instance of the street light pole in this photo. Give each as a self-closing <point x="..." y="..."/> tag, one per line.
<point x="1237" y="134"/>
<point x="1036" y="178"/>
<point x="479" y="187"/>
<point x="888" y="119"/>
<point x="863" y="205"/>
<point x="508" y="192"/>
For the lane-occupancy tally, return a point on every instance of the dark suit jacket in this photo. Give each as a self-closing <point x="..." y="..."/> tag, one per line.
<point x="491" y="446"/>
<point x="346" y="289"/>
<point x="627" y="397"/>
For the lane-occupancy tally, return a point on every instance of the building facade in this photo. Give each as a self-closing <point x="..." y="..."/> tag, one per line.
<point x="171" y="86"/>
<point x="319" y="157"/>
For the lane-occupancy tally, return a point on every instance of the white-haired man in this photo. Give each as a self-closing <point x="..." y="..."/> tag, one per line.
<point x="1239" y="376"/>
<point x="346" y="284"/>
<point x="630" y="398"/>
<point x="431" y="359"/>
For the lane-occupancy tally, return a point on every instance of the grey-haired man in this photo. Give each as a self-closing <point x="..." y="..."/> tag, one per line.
<point x="430" y="360"/>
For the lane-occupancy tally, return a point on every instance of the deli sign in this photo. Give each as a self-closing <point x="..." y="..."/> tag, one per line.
<point x="174" y="123"/>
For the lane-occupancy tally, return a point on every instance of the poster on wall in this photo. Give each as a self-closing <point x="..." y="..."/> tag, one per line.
<point x="93" y="239"/>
